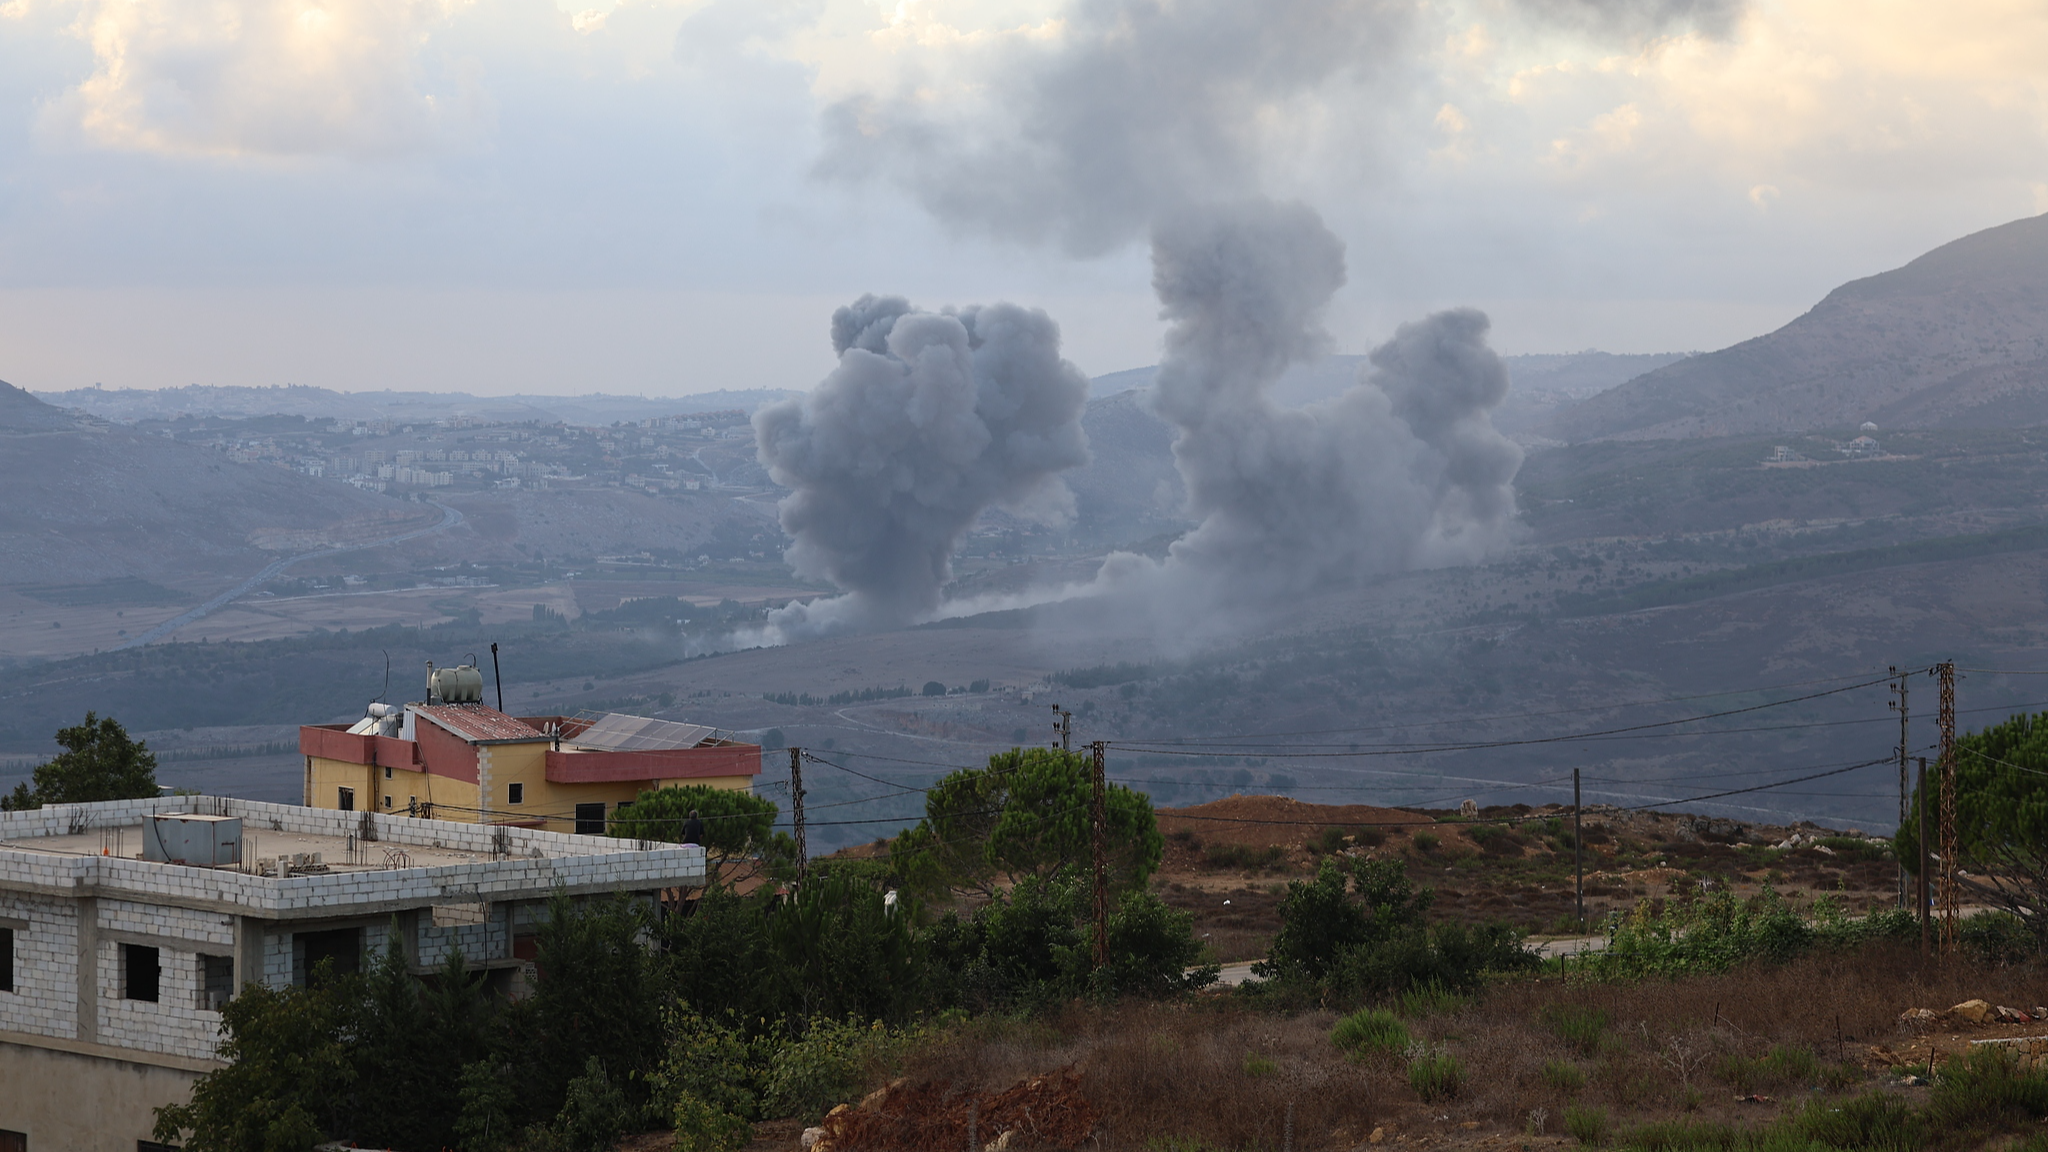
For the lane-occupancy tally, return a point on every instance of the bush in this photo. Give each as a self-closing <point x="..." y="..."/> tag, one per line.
<point x="1879" y="1120"/>
<point x="1587" y="1125"/>
<point x="1431" y="998"/>
<point x="1563" y="1075"/>
<point x="1426" y="842"/>
<point x="1371" y="1032"/>
<point x="807" y="1076"/>
<point x="1987" y="1086"/>
<point x="1781" y="1067"/>
<point x="1576" y="1025"/>
<point x="594" y="1115"/>
<point x="1436" y="1076"/>
<point x="1243" y="857"/>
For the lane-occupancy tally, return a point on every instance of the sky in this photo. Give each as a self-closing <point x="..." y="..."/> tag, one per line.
<point x="671" y="196"/>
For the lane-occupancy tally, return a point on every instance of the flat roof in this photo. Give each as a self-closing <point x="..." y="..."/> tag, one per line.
<point x="125" y="842"/>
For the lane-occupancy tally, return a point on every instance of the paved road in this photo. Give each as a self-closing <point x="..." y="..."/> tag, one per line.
<point x="1233" y="975"/>
<point x="449" y="519"/>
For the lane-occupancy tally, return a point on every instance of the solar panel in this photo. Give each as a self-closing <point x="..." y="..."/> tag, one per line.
<point x="618" y="732"/>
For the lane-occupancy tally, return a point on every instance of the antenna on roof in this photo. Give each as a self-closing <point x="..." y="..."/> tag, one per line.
<point x="496" y="678"/>
<point x="387" y="674"/>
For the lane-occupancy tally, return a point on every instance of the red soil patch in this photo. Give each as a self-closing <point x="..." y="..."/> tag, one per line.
<point x="1259" y="821"/>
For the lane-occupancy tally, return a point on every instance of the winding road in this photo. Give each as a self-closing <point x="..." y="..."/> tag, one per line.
<point x="449" y="519"/>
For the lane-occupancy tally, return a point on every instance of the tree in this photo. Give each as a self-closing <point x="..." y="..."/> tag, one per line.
<point x="99" y="762"/>
<point x="738" y="825"/>
<point x="286" y="1075"/>
<point x="2001" y="819"/>
<point x="1028" y="814"/>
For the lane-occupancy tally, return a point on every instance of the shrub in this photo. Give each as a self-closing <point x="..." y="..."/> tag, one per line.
<point x="1879" y="1120"/>
<point x="1243" y="856"/>
<point x="807" y="1076"/>
<point x="1436" y="1076"/>
<point x="1987" y="1086"/>
<point x="1257" y="1065"/>
<point x="1781" y="1067"/>
<point x="1576" y="1025"/>
<point x="1586" y="1124"/>
<point x="594" y="1114"/>
<point x="1426" y="842"/>
<point x="1371" y="1032"/>
<point x="1563" y="1075"/>
<point x="1431" y="998"/>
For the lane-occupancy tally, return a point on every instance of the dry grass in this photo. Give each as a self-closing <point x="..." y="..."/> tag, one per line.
<point x="1222" y="1075"/>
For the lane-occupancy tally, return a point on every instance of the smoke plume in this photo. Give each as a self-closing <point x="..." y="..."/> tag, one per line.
<point x="928" y="419"/>
<point x="1403" y="470"/>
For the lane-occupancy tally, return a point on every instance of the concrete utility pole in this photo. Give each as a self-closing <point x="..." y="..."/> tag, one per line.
<point x="1900" y="705"/>
<point x="1063" y="727"/>
<point x="1920" y="885"/>
<point x="1100" y="822"/>
<point x="1578" y="851"/>
<point x="1950" y="897"/>
<point x="796" y="810"/>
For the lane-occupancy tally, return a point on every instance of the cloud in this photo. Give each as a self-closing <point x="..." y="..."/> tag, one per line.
<point x="266" y="78"/>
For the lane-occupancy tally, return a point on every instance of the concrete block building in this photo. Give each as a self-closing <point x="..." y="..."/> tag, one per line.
<point x="116" y="954"/>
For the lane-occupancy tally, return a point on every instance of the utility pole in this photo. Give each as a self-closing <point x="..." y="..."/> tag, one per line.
<point x="796" y="810"/>
<point x="1063" y="727"/>
<point x="1950" y="938"/>
<point x="1920" y="884"/>
<point x="1578" y="851"/>
<point x="1899" y="705"/>
<point x="1101" y="830"/>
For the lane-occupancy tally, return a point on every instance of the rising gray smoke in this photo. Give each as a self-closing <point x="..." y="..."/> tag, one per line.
<point x="1403" y="470"/>
<point x="928" y="419"/>
<point x="1136" y="109"/>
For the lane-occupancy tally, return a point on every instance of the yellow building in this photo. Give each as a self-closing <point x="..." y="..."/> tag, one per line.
<point x="456" y="758"/>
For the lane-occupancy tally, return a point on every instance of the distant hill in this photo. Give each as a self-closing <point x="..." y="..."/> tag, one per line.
<point x="203" y="400"/>
<point x="1956" y="339"/>
<point x="86" y="502"/>
<point x="1541" y="380"/>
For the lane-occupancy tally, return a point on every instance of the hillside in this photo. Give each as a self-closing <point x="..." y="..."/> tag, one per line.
<point x="1955" y="339"/>
<point x="88" y="503"/>
<point x="204" y="400"/>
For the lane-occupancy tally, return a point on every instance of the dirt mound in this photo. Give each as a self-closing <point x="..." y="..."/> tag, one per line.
<point x="1259" y="821"/>
<point x="1042" y="1112"/>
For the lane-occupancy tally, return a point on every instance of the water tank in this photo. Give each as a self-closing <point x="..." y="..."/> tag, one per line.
<point x="459" y="685"/>
<point x="189" y="838"/>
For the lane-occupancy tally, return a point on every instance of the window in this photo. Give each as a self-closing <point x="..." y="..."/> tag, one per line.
<point x="387" y="799"/>
<point x="590" y="819"/>
<point x="387" y="771"/>
<point x="6" y="959"/>
<point x="13" y="1141"/>
<point x="340" y="948"/>
<point x="153" y="1146"/>
<point x="141" y="966"/>
<point x="216" y="981"/>
<point x="515" y="794"/>
<point x="345" y="799"/>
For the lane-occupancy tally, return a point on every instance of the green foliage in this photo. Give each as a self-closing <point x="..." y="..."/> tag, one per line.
<point x="1371" y="1032"/>
<point x="99" y="763"/>
<point x="280" y="1089"/>
<point x="1879" y="1120"/>
<point x="2001" y="818"/>
<point x="1781" y="1067"/>
<point x="823" y="1067"/>
<point x="1436" y="1076"/>
<point x="1581" y="1027"/>
<point x="737" y="823"/>
<point x="837" y="949"/>
<point x="710" y="1080"/>
<point x="1033" y="946"/>
<point x="1357" y="930"/>
<point x="1586" y="1124"/>
<point x="596" y="994"/>
<point x="489" y="1099"/>
<point x="1430" y="998"/>
<point x="1027" y="814"/>
<point x="1718" y="932"/>
<point x="594" y="1115"/>
<point x="1426" y="842"/>
<point x="1563" y="1075"/>
<point x="1244" y="857"/>
<point x="1257" y="1066"/>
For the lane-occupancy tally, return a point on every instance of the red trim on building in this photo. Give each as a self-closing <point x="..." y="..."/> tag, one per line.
<point x="336" y="742"/>
<point x="669" y="764"/>
<point x="443" y="753"/>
